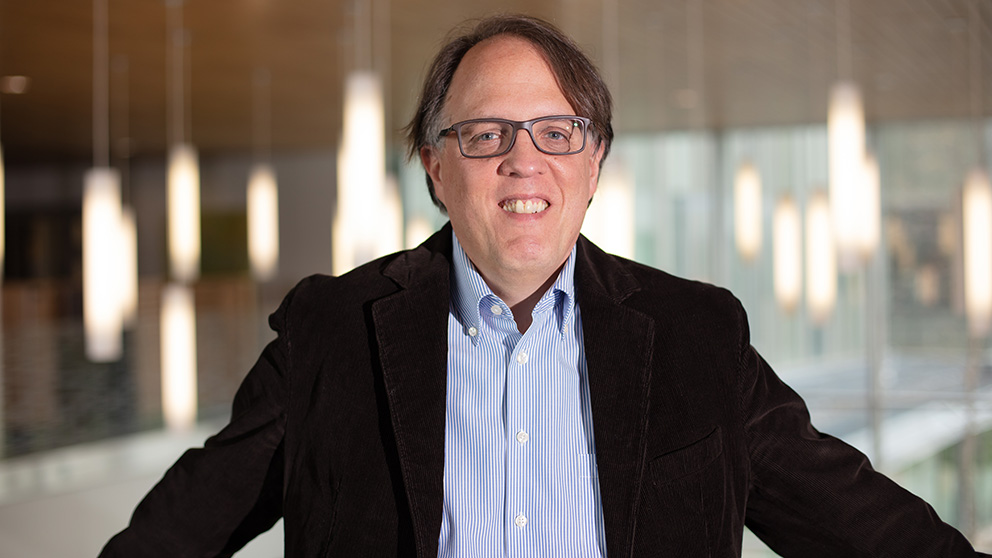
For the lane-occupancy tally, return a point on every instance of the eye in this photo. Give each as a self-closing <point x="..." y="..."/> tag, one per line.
<point x="482" y="132"/>
<point x="486" y="136"/>
<point x="555" y="134"/>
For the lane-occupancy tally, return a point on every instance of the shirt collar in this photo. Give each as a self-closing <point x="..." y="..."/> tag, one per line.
<point x="468" y="288"/>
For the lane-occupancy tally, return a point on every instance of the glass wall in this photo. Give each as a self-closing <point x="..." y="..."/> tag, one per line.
<point x="889" y="369"/>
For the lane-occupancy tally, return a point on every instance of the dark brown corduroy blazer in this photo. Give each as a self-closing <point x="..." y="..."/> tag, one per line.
<point x="339" y="428"/>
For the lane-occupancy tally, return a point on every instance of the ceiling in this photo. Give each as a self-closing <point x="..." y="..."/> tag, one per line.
<point x="673" y="64"/>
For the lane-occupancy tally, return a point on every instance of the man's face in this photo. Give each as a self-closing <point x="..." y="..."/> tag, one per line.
<point x="506" y="77"/>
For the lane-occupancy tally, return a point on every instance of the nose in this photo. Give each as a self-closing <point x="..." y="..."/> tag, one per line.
<point x="523" y="159"/>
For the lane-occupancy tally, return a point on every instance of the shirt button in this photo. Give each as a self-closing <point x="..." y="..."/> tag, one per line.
<point x="522" y="358"/>
<point x="496" y="309"/>
<point x="522" y="437"/>
<point x="473" y="331"/>
<point x="520" y="520"/>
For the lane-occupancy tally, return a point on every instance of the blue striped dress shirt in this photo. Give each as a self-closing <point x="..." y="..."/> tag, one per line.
<point x="519" y="456"/>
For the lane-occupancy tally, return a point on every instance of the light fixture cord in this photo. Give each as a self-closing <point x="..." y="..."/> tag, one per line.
<point x="101" y="86"/>
<point x="611" y="52"/>
<point x="121" y="68"/>
<point x="975" y="59"/>
<point x="696" y="56"/>
<point x="174" y="32"/>
<point x="845" y="64"/>
<point x="363" y="35"/>
<point x="262" y="118"/>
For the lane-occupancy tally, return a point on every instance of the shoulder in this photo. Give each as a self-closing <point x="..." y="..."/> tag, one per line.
<point x="655" y="292"/>
<point x="320" y="297"/>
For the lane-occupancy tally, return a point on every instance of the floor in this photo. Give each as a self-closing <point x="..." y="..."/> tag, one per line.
<point x="69" y="502"/>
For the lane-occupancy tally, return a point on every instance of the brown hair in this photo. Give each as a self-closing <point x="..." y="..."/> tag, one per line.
<point x="576" y="75"/>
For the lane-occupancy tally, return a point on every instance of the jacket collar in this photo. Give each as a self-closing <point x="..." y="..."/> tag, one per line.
<point x="618" y="345"/>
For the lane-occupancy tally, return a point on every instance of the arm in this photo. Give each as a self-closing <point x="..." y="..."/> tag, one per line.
<point x="217" y="498"/>
<point x="812" y="495"/>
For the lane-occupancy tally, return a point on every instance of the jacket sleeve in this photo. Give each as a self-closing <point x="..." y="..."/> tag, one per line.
<point x="215" y="499"/>
<point x="812" y="495"/>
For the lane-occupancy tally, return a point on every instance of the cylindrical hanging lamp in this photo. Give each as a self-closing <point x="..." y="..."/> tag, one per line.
<point x="821" y="260"/>
<point x="102" y="258"/>
<point x="184" y="212"/>
<point x="102" y="273"/>
<point x="263" y="222"/>
<point x="368" y="220"/>
<point x="787" y="254"/>
<point x="846" y="152"/>
<point x="178" y="352"/>
<point x="747" y="211"/>
<point x="977" y="223"/>
<point x="361" y="173"/>
<point x="183" y="180"/>
<point x="263" y="191"/>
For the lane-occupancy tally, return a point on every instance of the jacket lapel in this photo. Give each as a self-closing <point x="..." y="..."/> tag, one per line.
<point x="619" y="350"/>
<point x="408" y="325"/>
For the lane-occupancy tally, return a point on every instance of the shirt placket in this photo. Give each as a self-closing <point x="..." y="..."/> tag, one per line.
<point x="523" y="440"/>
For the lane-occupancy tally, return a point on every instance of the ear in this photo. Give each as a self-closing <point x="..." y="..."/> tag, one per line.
<point x="594" y="169"/>
<point x="431" y="160"/>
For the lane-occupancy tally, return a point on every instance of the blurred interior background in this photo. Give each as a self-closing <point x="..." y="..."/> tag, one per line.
<point x="170" y="169"/>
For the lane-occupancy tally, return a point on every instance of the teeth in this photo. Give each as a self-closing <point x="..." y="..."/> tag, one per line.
<point x="521" y="206"/>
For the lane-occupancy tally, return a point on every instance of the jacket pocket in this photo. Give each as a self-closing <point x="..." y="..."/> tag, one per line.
<point x="687" y="459"/>
<point x="683" y="498"/>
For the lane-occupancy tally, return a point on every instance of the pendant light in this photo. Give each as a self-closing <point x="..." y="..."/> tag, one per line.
<point x="787" y="254"/>
<point x="177" y="328"/>
<point x="102" y="274"/>
<point x="183" y="172"/>
<point x="846" y="148"/>
<point x="361" y="172"/>
<point x="747" y="211"/>
<point x="977" y="205"/>
<point x="263" y="191"/>
<point x="821" y="260"/>
<point x="367" y="219"/>
<point x="263" y="222"/>
<point x="977" y="202"/>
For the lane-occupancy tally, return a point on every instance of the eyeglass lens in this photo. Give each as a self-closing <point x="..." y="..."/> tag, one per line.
<point x="556" y="136"/>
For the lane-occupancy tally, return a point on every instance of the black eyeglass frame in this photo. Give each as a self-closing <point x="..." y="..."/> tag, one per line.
<point x="518" y="125"/>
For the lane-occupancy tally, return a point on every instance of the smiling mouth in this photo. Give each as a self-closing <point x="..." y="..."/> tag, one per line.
<point x="524" y="206"/>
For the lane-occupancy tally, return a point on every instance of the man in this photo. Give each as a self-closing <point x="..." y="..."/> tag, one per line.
<point x="508" y="389"/>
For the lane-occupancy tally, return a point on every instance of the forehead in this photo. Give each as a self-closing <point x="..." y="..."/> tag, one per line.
<point x="507" y="77"/>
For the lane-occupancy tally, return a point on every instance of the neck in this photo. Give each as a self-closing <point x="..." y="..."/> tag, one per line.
<point x="520" y="296"/>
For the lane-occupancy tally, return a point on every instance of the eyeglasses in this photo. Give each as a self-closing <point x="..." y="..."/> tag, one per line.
<point x="491" y="137"/>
